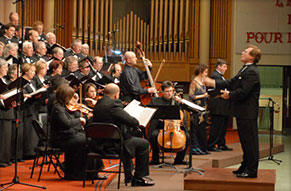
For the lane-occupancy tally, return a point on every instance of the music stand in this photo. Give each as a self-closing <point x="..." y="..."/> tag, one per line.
<point x="166" y="112"/>
<point x="271" y="133"/>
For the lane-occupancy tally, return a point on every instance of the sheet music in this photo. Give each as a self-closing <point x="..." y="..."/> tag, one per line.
<point x="142" y="114"/>
<point x="9" y="93"/>
<point x="36" y="92"/>
<point x="192" y="105"/>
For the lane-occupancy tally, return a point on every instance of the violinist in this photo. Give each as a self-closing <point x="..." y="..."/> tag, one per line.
<point x="156" y="125"/>
<point x="90" y="94"/>
<point x="66" y="133"/>
<point x="130" y="79"/>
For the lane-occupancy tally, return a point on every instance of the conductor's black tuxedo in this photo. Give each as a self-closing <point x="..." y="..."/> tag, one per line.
<point x="219" y="110"/>
<point x="244" y="95"/>
<point x="109" y="110"/>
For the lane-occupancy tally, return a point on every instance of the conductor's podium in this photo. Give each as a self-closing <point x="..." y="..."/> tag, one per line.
<point x="222" y="179"/>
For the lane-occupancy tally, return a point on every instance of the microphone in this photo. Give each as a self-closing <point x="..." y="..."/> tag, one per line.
<point x="16" y="1"/>
<point x="114" y="31"/>
<point x="61" y="26"/>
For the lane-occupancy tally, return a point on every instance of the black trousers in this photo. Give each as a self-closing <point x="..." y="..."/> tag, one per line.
<point x="248" y="134"/>
<point x="138" y="148"/>
<point x="218" y="130"/>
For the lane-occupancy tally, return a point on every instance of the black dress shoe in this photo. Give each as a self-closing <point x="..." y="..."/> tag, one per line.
<point x="214" y="149"/>
<point x="180" y="162"/>
<point x="246" y="175"/>
<point x="225" y="148"/>
<point x="239" y="170"/>
<point x="2" y="165"/>
<point x="140" y="182"/>
<point x="154" y="162"/>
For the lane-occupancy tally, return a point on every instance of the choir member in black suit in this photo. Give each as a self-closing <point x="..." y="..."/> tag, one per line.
<point x="109" y="109"/>
<point x="131" y="77"/>
<point x="40" y="52"/>
<point x="75" y="49"/>
<point x="7" y="38"/>
<point x="97" y="66"/>
<point x="115" y="73"/>
<point x="84" y="69"/>
<point x="156" y="125"/>
<point x="220" y="111"/>
<point x="244" y="92"/>
<point x="6" y="117"/>
<point x="27" y="52"/>
<point x="50" y="41"/>
<point x="1" y="49"/>
<point x="38" y="26"/>
<point x="70" y="66"/>
<point x="13" y="20"/>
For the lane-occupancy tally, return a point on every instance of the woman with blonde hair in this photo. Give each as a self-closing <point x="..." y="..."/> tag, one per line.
<point x="199" y="95"/>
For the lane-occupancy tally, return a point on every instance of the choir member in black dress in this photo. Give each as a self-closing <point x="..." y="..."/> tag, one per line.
<point x="6" y="117"/>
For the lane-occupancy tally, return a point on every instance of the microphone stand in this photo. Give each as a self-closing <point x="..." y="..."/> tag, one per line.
<point x="271" y="133"/>
<point x="16" y="178"/>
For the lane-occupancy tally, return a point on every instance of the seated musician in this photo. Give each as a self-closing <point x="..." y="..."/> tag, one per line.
<point x="84" y="69"/>
<point x="109" y="109"/>
<point x="90" y="94"/>
<point x="130" y="79"/>
<point x="66" y="133"/>
<point x="156" y="125"/>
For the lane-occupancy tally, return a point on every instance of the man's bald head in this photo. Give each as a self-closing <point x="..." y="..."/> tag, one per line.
<point x="130" y="58"/>
<point x="112" y="90"/>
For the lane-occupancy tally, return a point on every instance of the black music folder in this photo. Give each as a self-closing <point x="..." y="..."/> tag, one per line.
<point x="214" y="92"/>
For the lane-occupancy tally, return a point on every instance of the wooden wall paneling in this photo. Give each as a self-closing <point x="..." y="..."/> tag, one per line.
<point x="151" y="40"/>
<point x="137" y="29"/>
<point x="170" y="29"/>
<point x="196" y="30"/>
<point x="186" y="32"/>
<point x="120" y="35"/>
<point x="97" y="27"/>
<point x="156" y="28"/>
<point x="124" y="35"/>
<point x="91" y="32"/>
<point x="106" y="25"/>
<point x="181" y="25"/>
<point x="111" y="19"/>
<point x="102" y="37"/>
<point x="131" y="29"/>
<point x="161" y="41"/>
<point x="67" y="22"/>
<point x="176" y="8"/>
<point x="165" y="27"/>
<point x="127" y="32"/>
<point x="141" y="38"/>
<point x="146" y="36"/>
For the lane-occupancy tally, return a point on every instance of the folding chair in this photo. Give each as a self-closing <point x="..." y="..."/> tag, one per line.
<point x="46" y="152"/>
<point x="103" y="131"/>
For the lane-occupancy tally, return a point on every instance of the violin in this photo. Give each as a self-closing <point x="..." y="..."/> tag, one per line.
<point x="174" y="137"/>
<point x="79" y="107"/>
<point x="92" y="102"/>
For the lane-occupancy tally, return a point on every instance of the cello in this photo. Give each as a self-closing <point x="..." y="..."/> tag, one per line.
<point x="174" y="137"/>
<point x="145" y="98"/>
